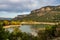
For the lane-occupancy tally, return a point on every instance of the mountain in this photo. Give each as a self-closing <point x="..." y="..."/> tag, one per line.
<point x="2" y="18"/>
<point x="47" y="13"/>
<point x="19" y="17"/>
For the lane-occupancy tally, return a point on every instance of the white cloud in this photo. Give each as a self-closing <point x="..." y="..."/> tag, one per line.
<point x="3" y="6"/>
<point x="24" y="5"/>
<point x="14" y="1"/>
<point x="17" y="7"/>
<point x="11" y="14"/>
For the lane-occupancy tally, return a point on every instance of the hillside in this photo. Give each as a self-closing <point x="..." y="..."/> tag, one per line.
<point x="2" y="18"/>
<point x="44" y="14"/>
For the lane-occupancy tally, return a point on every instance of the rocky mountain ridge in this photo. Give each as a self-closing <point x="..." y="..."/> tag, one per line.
<point x="47" y="13"/>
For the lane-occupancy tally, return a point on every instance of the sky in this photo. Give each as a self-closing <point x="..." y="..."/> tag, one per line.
<point x="12" y="8"/>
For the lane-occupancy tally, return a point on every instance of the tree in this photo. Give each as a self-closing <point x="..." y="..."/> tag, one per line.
<point x="42" y="35"/>
<point x="50" y="31"/>
<point x="3" y="33"/>
<point x="5" y="22"/>
<point x="15" y="23"/>
<point x="16" y="34"/>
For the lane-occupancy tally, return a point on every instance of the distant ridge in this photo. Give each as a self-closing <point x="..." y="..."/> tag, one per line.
<point x="2" y="18"/>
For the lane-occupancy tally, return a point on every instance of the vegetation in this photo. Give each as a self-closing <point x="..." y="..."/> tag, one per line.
<point x="49" y="33"/>
<point x="49" y="14"/>
<point x="7" y="22"/>
<point x="3" y="34"/>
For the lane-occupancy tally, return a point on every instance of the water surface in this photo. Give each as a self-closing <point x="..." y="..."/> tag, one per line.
<point x="29" y="28"/>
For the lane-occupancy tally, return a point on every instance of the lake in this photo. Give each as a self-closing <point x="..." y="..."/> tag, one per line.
<point x="33" y="29"/>
<point x="29" y="28"/>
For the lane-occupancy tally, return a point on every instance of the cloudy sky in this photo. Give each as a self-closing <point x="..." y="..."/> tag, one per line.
<point x="12" y="8"/>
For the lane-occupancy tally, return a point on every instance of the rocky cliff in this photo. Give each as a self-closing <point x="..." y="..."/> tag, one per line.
<point x="47" y="13"/>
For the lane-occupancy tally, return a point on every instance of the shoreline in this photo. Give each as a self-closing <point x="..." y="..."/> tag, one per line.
<point x="11" y="26"/>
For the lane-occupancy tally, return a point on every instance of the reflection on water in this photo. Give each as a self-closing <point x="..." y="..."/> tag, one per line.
<point x="26" y="28"/>
<point x="10" y="29"/>
<point x="23" y="28"/>
<point x="29" y="28"/>
<point x="33" y="29"/>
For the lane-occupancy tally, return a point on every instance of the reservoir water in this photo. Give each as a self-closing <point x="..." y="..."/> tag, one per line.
<point x="29" y="28"/>
<point x="33" y="29"/>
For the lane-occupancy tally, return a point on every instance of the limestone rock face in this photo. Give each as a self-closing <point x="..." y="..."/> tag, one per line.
<point x="42" y="14"/>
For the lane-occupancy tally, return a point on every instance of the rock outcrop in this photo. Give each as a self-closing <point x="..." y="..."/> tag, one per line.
<point x="47" y="13"/>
